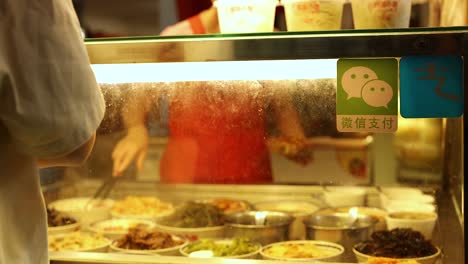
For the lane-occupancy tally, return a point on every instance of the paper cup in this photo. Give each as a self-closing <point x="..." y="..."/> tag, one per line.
<point x="309" y="15"/>
<point x="378" y="14"/>
<point x="245" y="16"/>
<point x="345" y="196"/>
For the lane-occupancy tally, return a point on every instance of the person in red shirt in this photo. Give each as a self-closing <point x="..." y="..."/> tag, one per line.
<point x="218" y="131"/>
<point x="205" y="22"/>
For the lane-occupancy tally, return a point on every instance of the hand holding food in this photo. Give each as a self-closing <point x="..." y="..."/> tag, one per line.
<point x="295" y="149"/>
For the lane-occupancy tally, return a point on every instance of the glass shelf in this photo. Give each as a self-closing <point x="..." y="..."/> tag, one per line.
<point x="280" y="45"/>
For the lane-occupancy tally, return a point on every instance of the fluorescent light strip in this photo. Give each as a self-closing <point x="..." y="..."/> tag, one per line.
<point x="215" y="70"/>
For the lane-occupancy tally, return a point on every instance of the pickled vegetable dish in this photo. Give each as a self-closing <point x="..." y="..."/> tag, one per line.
<point x="192" y="214"/>
<point x="236" y="247"/>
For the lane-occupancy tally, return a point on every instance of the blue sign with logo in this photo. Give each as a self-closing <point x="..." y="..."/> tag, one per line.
<point x="431" y="86"/>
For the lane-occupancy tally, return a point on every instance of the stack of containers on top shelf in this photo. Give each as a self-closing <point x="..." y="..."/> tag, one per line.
<point x="246" y="16"/>
<point x="378" y="14"/>
<point x="311" y="15"/>
<point x="249" y="16"/>
<point x="409" y="208"/>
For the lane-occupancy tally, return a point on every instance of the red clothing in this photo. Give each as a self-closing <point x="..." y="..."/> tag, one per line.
<point x="218" y="134"/>
<point x="191" y="26"/>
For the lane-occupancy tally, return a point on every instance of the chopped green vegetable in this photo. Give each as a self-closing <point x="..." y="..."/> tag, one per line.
<point x="236" y="247"/>
<point x="193" y="214"/>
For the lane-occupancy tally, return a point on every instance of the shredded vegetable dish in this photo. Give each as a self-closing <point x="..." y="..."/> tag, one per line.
<point x="192" y="214"/>
<point x="142" y="206"/>
<point x="77" y="241"/>
<point x="236" y="247"/>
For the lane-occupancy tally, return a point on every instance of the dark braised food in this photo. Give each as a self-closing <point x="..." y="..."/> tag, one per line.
<point x="56" y="218"/>
<point x="192" y="214"/>
<point x="397" y="243"/>
<point x="141" y="239"/>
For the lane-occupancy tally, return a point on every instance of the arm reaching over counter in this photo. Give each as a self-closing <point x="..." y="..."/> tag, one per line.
<point x="134" y="145"/>
<point x="292" y="142"/>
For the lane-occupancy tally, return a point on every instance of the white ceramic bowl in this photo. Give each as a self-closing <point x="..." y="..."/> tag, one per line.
<point x="386" y="201"/>
<point x="400" y="191"/>
<point x="345" y="196"/>
<point x="172" y="251"/>
<point x="79" y="238"/>
<point x="79" y="209"/>
<point x="116" y="228"/>
<point x="334" y="251"/>
<point x="362" y="258"/>
<point x="398" y="206"/>
<point x="57" y="230"/>
<point x="193" y="233"/>
<point x="418" y="221"/>
<point x="251" y="255"/>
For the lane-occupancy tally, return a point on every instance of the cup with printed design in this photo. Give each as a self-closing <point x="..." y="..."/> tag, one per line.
<point x="246" y="16"/>
<point x="310" y="15"/>
<point x="381" y="14"/>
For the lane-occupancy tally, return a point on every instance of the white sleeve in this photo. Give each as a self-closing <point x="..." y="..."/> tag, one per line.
<point x="50" y="101"/>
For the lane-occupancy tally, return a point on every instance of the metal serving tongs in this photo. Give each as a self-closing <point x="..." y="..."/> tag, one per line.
<point x="103" y="191"/>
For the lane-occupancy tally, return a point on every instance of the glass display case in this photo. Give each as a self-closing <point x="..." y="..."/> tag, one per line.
<point x="248" y="123"/>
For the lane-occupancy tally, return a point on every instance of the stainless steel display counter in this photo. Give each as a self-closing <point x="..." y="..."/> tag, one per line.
<point x="448" y="233"/>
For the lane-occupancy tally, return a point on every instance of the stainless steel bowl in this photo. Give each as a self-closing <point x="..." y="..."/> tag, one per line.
<point x="264" y="227"/>
<point x="341" y="228"/>
<point x="298" y="209"/>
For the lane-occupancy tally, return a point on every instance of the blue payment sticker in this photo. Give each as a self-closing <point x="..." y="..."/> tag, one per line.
<point x="431" y="86"/>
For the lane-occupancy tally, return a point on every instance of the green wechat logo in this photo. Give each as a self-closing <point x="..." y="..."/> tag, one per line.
<point x="362" y="82"/>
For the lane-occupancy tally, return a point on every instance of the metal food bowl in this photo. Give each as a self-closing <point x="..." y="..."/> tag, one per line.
<point x="264" y="227"/>
<point x="300" y="210"/>
<point x="341" y="228"/>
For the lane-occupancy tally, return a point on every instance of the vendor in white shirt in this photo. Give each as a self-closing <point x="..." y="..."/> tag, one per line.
<point x="50" y="107"/>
